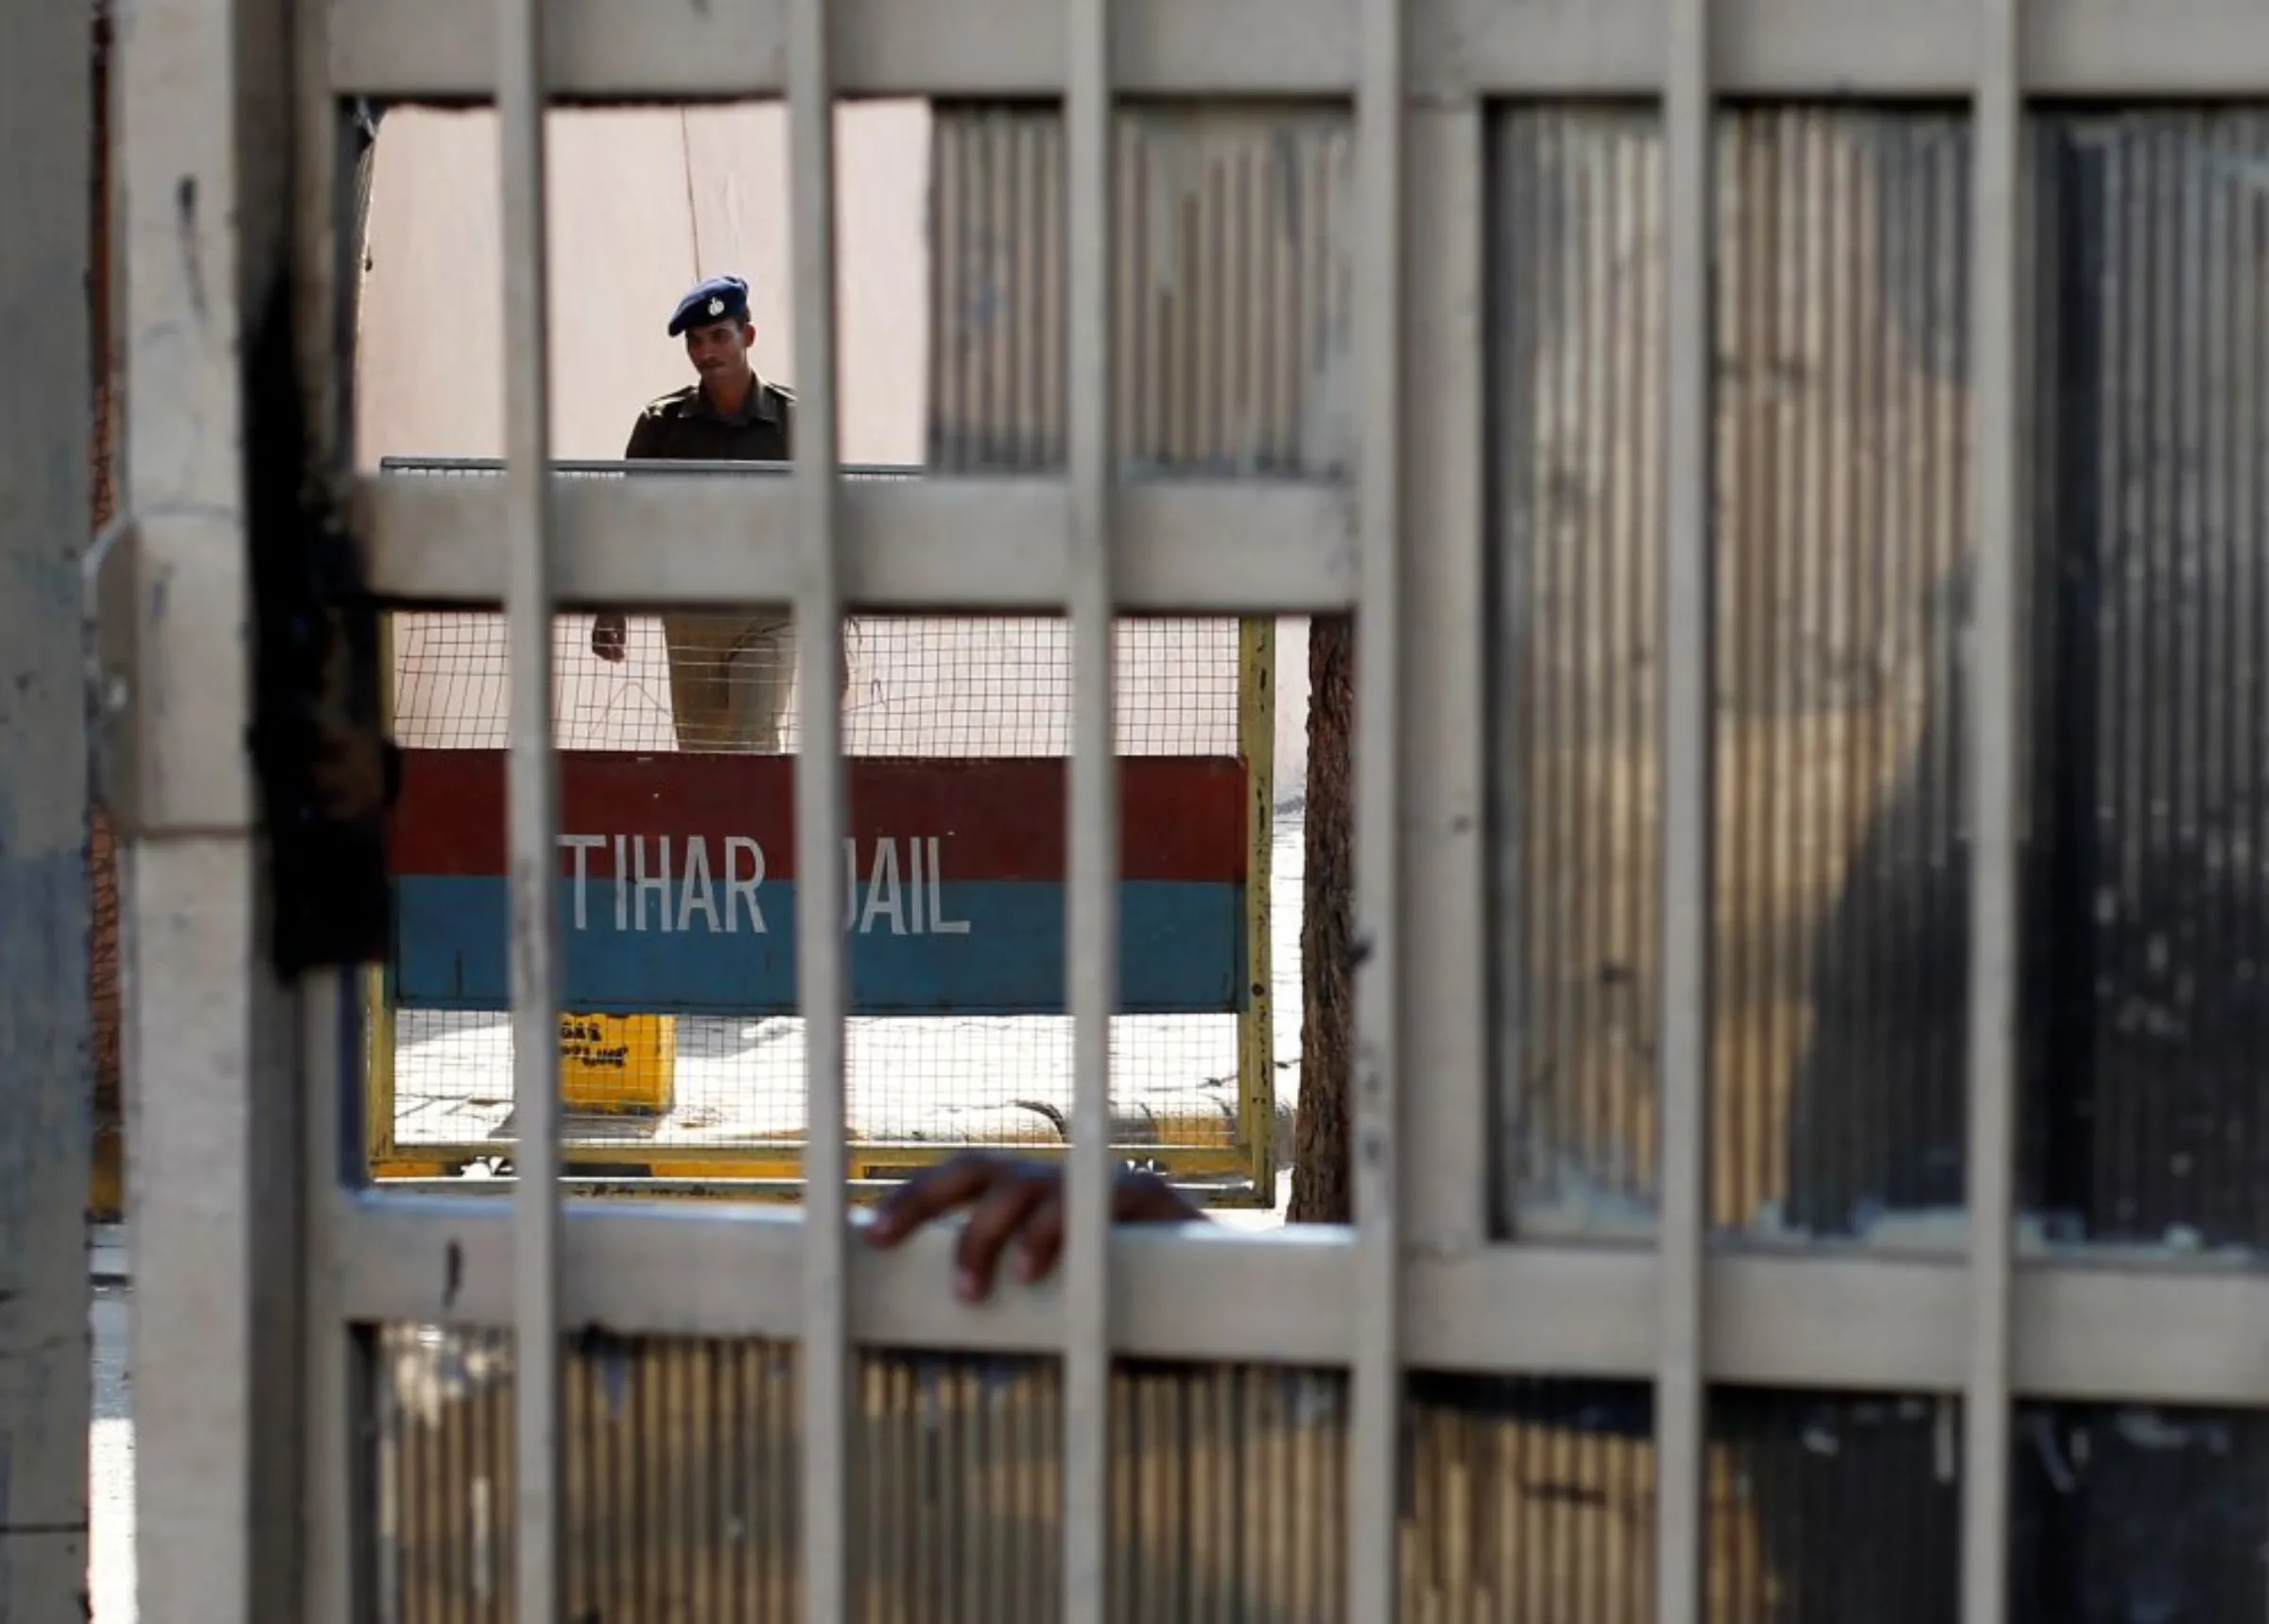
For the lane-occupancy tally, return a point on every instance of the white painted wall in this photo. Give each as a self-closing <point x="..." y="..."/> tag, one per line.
<point x="644" y="203"/>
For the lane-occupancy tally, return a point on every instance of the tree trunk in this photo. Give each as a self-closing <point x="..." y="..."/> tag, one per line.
<point x="366" y="151"/>
<point x="107" y="1198"/>
<point x="1321" y="1192"/>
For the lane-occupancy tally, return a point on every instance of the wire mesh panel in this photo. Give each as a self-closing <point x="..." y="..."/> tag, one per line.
<point x="701" y="1094"/>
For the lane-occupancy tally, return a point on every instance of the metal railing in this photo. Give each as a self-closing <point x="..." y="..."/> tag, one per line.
<point x="1228" y="1157"/>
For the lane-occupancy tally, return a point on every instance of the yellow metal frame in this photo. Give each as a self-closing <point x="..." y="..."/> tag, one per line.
<point x="377" y="981"/>
<point x="783" y="1158"/>
<point x="780" y="1190"/>
<point x="769" y="1169"/>
<point x="618" y="1065"/>
<point x="1256" y="1022"/>
<point x="105" y="1184"/>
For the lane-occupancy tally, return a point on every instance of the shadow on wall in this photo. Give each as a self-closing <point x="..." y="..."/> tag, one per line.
<point x="1842" y="834"/>
<point x="1843" y="511"/>
<point x="2144" y="985"/>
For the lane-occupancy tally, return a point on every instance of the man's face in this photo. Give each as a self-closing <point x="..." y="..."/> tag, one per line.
<point x="719" y="351"/>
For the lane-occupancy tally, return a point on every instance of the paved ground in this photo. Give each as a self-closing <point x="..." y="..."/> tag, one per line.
<point x="111" y="1465"/>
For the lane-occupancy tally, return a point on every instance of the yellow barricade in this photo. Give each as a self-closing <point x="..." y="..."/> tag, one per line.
<point x="619" y="1065"/>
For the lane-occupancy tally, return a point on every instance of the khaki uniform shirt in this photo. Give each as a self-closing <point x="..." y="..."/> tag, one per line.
<point x="730" y="670"/>
<point x="682" y="428"/>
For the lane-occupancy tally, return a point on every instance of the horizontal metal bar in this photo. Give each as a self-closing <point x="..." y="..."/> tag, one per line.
<point x="616" y="468"/>
<point x="2082" y="1330"/>
<point x="1185" y="546"/>
<point x="731" y="1158"/>
<point x="677" y="1185"/>
<point x="621" y="49"/>
<point x="449" y="1262"/>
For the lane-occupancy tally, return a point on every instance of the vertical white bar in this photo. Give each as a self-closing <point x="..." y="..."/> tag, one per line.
<point x="208" y="1061"/>
<point x="1447" y="1124"/>
<point x="1681" y="1392"/>
<point x="337" y="1532"/>
<point x="1997" y="639"/>
<point x="201" y="1015"/>
<point x="328" y="254"/>
<point x="1092" y="908"/>
<point x="820" y="819"/>
<point x="1374" y="1431"/>
<point x="531" y="815"/>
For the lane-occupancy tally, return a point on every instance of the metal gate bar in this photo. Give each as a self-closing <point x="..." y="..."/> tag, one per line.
<point x="826" y="1350"/>
<point x="1687" y="807"/>
<point x="1375" y="1460"/>
<point x="531" y="809"/>
<point x="1007" y="50"/>
<point x="1995" y="202"/>
<point x="1091" y="924"/>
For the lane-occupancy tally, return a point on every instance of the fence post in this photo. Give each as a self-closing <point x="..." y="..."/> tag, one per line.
<point x="207" y="162"/>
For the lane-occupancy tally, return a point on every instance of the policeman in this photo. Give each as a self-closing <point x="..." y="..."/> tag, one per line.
<point x="730" y="671"/>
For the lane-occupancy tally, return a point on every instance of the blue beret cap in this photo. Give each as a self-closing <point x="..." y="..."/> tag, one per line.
<point x="720" y="299"/>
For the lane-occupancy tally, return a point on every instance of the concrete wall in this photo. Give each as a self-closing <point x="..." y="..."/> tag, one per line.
<point x="644" y="203"/>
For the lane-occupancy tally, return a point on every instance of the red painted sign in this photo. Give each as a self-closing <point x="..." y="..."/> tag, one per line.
<point x="1181" y="818"/>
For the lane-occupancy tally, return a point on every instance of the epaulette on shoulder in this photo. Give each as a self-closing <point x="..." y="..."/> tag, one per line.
<point x="672" y="404"/>
<point x="785" y="393"/>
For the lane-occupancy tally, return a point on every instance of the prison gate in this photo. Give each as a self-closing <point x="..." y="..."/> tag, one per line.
<point x="1801" y="498"/>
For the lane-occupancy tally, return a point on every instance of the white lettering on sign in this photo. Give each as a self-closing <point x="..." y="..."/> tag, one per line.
<point x="738" y="890"/>
<point x="899" y="884"/>
<point x="581" y="845"/>
<point x="699" y="891"/>
<point x="939" y="924"/>
<point x="883" y="901"/>
<point x="644" y="889"/>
